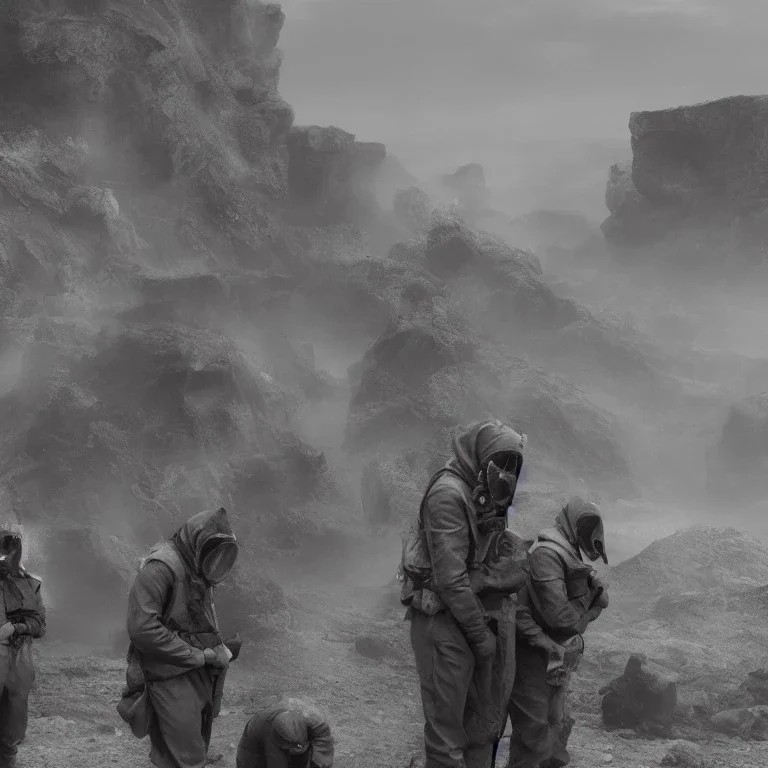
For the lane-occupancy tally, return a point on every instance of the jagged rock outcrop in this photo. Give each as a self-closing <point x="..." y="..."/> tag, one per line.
<point x="328" y="169"/>
<point x="513" y="289"/>
<point x="467" y="185"/>
<point x="428" y="373"/>
<point x="697" y="185"/>
<point x="144" y="169"/>
<point x="413" y="209"/>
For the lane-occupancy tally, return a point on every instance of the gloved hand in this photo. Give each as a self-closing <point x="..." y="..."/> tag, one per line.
<point x="596" y="581"/>
<point x="217" y="657"/>
<point x="602" y="600"/>
<point x="6" y="631"/>
<point x="485" y="650"/>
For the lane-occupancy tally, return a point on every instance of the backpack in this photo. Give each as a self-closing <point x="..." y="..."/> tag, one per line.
<point x="415" y="564"/>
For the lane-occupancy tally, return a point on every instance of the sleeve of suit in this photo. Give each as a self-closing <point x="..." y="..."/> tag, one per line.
<point x="250" y="750"/>
<point x="321" y="740"/>
<point x="148" y="596"/>
<point x="448" y="540"/>
<point x="32" y="622"/>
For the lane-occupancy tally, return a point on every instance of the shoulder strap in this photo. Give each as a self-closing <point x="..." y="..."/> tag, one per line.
<point x="461" y="486"/>
<point x="168" y="556"/>
<point x="564" y="553"/>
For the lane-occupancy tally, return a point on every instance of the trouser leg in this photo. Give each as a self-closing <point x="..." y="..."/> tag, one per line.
<point x="561" y="724"/>
<point x="445" y="665"/>
<point x="181" y="729"/>
<point x="17" y="674"/>
<point x="530" y="707"/>
<point x="489" y="695"/>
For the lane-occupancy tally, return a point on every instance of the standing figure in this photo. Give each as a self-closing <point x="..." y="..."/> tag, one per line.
<point x="290" y="734"/>
<point x="22" y="619"/>
<point x="177" y="659"/>
<point x="562" y="595"/>
<point x="460" y="569"/>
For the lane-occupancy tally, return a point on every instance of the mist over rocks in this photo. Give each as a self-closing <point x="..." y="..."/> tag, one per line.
<point x="333" y="172"/>
<point x="467" y="184"/>
<point x="695" y="192"/>
<point x="737" y="462"/>
<point x="714" y="557"/>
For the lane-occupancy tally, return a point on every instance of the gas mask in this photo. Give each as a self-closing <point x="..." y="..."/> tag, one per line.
<point x="591" y="537"/>
<point x="495" y="489"/>
<point x="218" y="558"/>
<point x="501" y="486"/>
<point x="10" y="544"/>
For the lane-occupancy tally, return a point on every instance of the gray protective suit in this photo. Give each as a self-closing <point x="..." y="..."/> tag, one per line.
<point x="476" y="568"/>
<point x="559" y="602"/>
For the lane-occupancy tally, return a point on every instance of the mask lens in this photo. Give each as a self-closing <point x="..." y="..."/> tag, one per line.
<point x="9" y="542"/>
<point x="501" y="485"/>
<point x="219" y="562"/>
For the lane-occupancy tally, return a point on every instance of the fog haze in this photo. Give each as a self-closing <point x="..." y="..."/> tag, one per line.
<point x="538" y="91"/>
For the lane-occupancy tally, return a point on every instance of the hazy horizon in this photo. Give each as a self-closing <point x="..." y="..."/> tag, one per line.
<point x="540" y="92"/>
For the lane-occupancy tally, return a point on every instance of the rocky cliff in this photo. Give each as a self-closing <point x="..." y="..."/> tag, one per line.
<point x="180" y="262"/>
<point x="146" y="160"/>
<point x="696" y="190"/>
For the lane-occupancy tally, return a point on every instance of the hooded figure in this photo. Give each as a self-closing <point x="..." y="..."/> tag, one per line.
<point x="562" y="596"/>
<point x="291" y="734"/>
<point x="459" y="603"/>
<point x="177" y="659"/>
<point x="22" y="618"/>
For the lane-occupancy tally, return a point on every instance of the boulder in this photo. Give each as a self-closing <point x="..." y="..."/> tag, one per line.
<point x="747" y="723"/>
<point x="467" y="185"/>
<point x="697" y="183"/>
<point x="498" y="284"/>
<point x="756" y="685"/>
<point x="684" y="754"/>
<point x="372" y="647"/>
<point x="643" y="698"/>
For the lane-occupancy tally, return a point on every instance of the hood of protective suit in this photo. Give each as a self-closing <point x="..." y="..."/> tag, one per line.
<point x="11" y="545"/>
<point x="207" y="545"/>
<point x="581" y="523"/>
<point x="290" y="731"/>
<point x="474" y="448"/>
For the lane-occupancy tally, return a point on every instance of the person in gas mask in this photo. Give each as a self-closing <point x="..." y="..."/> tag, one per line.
<point x="460" y="568"/>
<point x="177" y="657"/>
<point x="290" y="734"/>
<point x="22" y="619"/>
<point x="562" y="596"/>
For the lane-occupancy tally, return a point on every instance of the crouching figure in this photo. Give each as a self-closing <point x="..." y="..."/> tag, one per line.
<point x="290" y="734"/>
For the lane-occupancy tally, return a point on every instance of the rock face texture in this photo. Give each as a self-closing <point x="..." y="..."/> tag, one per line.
<point x="468" y="186"/>
<point x="643" y="698"/>
<point x="145" y="160"/>
<point x="324" y="165"/>
<point x="716" y="557"/>
<point x="697" y="172"/>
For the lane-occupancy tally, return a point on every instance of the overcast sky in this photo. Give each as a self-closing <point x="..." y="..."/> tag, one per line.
<point x="443" y="82"/>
